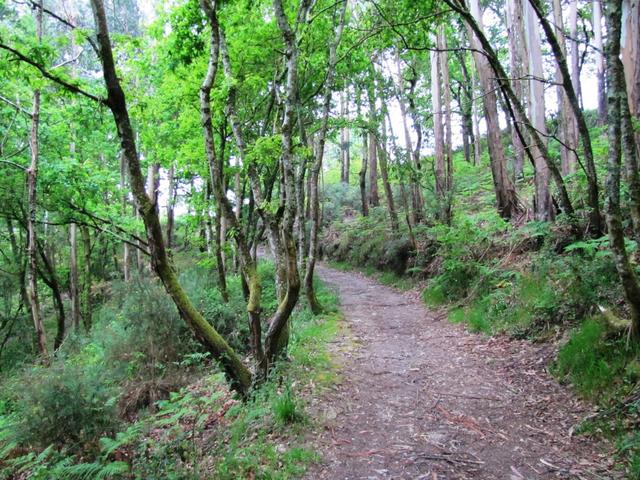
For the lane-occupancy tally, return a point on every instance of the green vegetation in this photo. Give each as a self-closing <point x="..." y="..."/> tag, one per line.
<point x="153" y="154"/>
<point x="125" y="409"/>
<point x="533" y="282"/>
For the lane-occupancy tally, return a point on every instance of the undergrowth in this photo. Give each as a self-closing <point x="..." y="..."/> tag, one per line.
<point x="83" y="423"/>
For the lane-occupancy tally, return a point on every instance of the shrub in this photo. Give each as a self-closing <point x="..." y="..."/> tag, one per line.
<point x="65" y="405"/>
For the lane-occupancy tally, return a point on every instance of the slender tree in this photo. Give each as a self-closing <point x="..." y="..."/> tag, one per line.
<point x="616" y="97"/>
<point x="238" y="374"/>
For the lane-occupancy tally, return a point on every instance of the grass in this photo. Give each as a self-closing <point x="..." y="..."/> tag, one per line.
<point x="264" y="430"/>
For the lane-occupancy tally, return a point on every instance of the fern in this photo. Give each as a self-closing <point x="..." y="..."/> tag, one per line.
<point x="8" y="435"/>
<point x="110" y="445"/>
<point x="90" y="471"/>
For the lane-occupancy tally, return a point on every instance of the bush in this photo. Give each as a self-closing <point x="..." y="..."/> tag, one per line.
<point x="65" y="406"/>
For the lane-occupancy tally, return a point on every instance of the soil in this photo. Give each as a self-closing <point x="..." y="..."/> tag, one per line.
<point x="420" y="398"/>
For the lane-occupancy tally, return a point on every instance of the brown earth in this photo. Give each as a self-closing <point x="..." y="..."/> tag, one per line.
<point x="420" y="398"/>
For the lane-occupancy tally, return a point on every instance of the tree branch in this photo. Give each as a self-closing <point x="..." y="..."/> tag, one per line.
<point x="54" y="78"/>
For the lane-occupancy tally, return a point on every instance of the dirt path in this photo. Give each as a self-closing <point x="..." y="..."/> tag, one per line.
<point x="420" y="398"/>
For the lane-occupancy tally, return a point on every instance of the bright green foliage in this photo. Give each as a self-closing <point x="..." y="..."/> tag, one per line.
<point x="592" y="361"/>
<point x="285" y="407"/>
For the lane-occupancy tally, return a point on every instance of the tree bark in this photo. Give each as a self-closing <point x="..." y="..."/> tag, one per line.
<point x="443" y="62"/>
<point x="363" y="173"/>
<point x="438" y="139"/>
<point x="517" y="55"/>
<point x="630" y="50"/>
<point x="86" y="305"/>
<point x="276" y="337"/>
<point x="477" y="145"/>
<point x="507" y="201"/>
<point x="616" y="97"/>
<point x="566" y="117"/>
<point x="543" y="207"/>
<point x="374" y="198"/>
<point x="316" y="168"/>
<point x="600" y="67"/>
<point x="575" y="53"/>
<point x="238" y="374"/>
<point x="32" y="182"/>
<point x="345" y="140"/>
<point x="171" y="200"/>
<point x="583" y="129"/>
<point x="515" y="106"/>
<point x="412" y="154"/>
<point x="126" y="254"/>
<point x="248" y="263"/>
<point x="384" y="173"/>
<point x="50" y="279"/>
<point x="74" y="284"/>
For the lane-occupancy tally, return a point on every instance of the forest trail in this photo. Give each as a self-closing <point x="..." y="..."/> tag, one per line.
<point x="419" y="398"/>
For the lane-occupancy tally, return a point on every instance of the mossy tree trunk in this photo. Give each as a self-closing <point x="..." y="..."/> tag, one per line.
<point x="238" y="375"/>
<point x="617" y="103"/>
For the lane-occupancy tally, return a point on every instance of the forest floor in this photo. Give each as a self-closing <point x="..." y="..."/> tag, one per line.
<point x="420" y="398"/>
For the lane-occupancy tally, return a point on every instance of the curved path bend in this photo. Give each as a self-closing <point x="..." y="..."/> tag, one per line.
<point x="419" y="398"/>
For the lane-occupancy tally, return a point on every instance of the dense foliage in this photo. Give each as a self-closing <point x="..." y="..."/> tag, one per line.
<point x="172" y="172"/>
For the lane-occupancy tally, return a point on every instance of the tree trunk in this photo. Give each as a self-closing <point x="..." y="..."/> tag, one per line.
<point x="363" y="173"/>
<point x="74" y="284"/>
<point x="219" y="249"/>
<point x="374" y="199"/>
<point x="438" y="139"/>
<point x="477" y="145"/>
<point x="32" y="182"/>
<point x="86" y="305"/>
<point x="416" y="180"/>
<point x="345" y="158"/>
<point x="515" y="106"/>
<point x="630" y="50"/>
<point x="171" y="200"/>
<point x="616" y="96"/>
<point x="238" y="374"/>
<point x="600" y="68"/>
<point x="443" y="62"/>
<point x="384" y="173"/>
<point x="413" y="155"/>
<point x="543" y="207"/>
<point x="276" y="338"/>
<point x="566" y="117"/>
<point x="50" y="279"/>
<point x="585" y="136"/>
<point x="517" y="46"/>
<point x="575" y="51"/>
<point x="507" y="201"/>
<point x="126" y="255"/>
